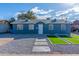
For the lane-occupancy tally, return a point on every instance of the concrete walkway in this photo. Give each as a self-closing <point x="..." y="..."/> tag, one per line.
<point x="41" y="45"/>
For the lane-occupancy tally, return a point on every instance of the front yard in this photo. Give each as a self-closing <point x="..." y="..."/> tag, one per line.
<point x="56" y="40"/>
<point x="74" y="39"/>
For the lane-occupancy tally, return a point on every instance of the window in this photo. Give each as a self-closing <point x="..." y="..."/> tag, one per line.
<point x="19" y="26"/>
<point x="63" y="26"/>
<point x="31" y="26"/>
<point x="50" y="26"/>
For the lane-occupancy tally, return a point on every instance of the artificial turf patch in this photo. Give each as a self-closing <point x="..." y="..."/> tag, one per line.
<point x="74" y="39"/>
<point x="75" y="36"/>
<point x="56" y="40"/>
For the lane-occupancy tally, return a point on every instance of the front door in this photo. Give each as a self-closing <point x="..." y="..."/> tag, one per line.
<point x="40" y="28"/>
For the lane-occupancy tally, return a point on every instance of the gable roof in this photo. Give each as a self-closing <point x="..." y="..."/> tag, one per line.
<point x="26" y="22"/>
<point x="36" y="21"/>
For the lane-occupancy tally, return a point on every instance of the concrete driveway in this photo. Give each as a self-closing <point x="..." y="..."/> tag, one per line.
<point x="17" y="47"/>
<point x="20" y="45"/>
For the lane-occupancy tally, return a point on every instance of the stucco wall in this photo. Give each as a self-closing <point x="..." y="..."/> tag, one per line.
<point x="4" y="28"/>
<point x="56" y="30"/>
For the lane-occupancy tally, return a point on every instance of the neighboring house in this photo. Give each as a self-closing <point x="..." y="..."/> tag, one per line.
<point x="75" y="26"/>
<point x="4" y="26"/>
<point x="47" y="27"/>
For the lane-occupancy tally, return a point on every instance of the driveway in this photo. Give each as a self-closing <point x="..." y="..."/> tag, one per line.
<point x="21" y="45"/>
<point x="17" y="47"/>
<point x="66" y="49"/>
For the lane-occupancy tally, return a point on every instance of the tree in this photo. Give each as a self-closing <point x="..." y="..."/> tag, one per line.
<point x="22" y="16"/>
<point x="11" y="19"/>
<point x="29" y="15"/>
<point x="48" y="18"/>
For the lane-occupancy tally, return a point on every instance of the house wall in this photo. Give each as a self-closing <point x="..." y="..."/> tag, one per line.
<point x="56" y="30"/>
<point x="24" y="31"/>
<point x="4" y="28"/>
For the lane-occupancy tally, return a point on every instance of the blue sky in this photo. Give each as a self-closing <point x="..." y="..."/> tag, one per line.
<point x="54" y="10"/>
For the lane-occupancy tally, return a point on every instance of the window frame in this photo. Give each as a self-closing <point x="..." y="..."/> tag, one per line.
<point x="51" y="26"/>
<point x="63" y="27"/>
<point x="19" y="26"/>
<point x="31" y="26"/>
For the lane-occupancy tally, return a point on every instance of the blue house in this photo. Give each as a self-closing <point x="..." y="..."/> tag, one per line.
<point x="45" y="27"/>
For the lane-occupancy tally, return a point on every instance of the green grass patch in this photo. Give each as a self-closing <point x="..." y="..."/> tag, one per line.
<point x="74" y="39"/>
<point x="56" y="40"/>
<point x="75" y="36"/>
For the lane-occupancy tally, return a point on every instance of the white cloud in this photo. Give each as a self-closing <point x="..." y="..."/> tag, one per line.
<point x="43" y="13"/>
<point x="76" y="13"/>
<point x="70" y="15"/>
<point x="43" y="17"/>
<point x="47" y="13"/>
<point x="59" y="13"/>
<point x="40" y="11"/>
<point x="17" y="13"/>
<point x="74" y="9"/>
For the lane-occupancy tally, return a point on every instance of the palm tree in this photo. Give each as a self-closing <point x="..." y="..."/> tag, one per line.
<point x="29" y="15"/>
